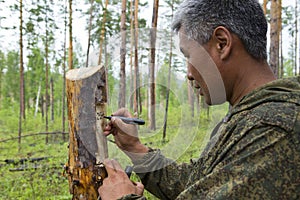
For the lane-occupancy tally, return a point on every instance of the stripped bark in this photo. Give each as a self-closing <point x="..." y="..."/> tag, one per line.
<point x="86" y="94"/>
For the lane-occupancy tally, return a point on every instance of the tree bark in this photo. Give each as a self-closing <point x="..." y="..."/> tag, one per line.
<point x="46" y="73"/>
<point x="152" y="65"/>
<point x="122" y="92"/>
<point x="86" y="94"/>
<point x="52" y="98"/>
<point x="131" y="54"/>
<point x="102" y="35"/>
<point x="275" y="34"/>
<point x="136" y="84"/>
<point x="22" y="95"/>
<point x="89" y="33"/>
<point x="265" y="6"/>
<point x="70" y="36"/>
<point x="169" y="79"/>
<point x="37" y="100"/>
<point x="296" y="39"/>
<point x="64" y="74"/>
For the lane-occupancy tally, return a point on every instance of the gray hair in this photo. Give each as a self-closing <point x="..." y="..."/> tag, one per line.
<point x="245" y="18"/>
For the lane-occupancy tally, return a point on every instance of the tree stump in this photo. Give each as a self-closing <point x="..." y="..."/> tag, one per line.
<point x="86" y="95"/>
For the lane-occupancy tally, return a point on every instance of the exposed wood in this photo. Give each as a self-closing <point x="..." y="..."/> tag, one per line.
<point x="86" y="94"/>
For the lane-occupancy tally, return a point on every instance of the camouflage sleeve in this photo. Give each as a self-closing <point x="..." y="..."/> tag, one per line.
<point x="161" y="176"/>
<point x="132" y="197"/>
<point x="264" y="166"/>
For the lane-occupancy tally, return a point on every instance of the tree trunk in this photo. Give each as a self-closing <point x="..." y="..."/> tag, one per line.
<point x="89" y="33"/>
<point x="265" y="6"/>
<point x="22" y="95"/>
<point x="152" y="65"/>
<point x="37" y="100"/>
<point x="275" y="34"/>
<point x="296" y="39"/>
<point x="102" y="35"/>
<point x="122" y="92"/>
<point x="136" y="60"/>
<point x="86" y="94"/>
<point x="131" y="54"/>
<point x="70" y="36"/>
<point x="169" y="80"/>
<point x="64" y="76"/>
<point x="52" y="98"/>
<point x="280" y="74"/>
<point x="47" y="74"/>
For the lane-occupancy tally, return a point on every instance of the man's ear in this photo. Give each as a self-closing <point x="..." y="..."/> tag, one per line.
<point x="223" y="41"/>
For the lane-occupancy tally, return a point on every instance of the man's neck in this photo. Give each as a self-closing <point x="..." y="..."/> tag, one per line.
<point x="249" y="78"/>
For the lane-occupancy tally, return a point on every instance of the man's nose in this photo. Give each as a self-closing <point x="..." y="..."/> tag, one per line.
<point x="189" y="72"/>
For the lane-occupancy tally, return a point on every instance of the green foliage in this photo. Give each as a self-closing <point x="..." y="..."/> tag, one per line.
<point x="39" y="180"/>
<point x="47" y="181"/>
<point x="10" y="79"/>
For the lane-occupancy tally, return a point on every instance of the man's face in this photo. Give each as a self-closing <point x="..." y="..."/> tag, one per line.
<point x="202" y="70"/>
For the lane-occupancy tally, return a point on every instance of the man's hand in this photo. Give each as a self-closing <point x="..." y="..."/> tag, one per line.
<point x="126" y="135"/>
<point x="117" y="184"/>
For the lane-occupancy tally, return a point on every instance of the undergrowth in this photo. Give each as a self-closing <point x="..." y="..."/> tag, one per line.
<point x="22" y="178"/>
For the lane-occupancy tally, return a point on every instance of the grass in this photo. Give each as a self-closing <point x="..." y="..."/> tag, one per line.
<point x="185" y="139"/>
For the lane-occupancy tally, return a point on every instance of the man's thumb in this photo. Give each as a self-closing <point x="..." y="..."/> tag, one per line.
<point x="139" y="188"/>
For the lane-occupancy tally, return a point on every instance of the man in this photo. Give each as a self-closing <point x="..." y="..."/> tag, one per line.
<point x="255" y="152"/>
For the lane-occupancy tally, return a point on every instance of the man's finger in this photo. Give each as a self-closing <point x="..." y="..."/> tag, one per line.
<point x="139" y="188"/>
<point x="112" y="166"/>
<point x="122" y="112"/>
<point x="117" y="122"/>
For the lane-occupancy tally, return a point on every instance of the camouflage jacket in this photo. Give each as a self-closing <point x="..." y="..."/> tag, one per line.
<point x="254" y="154"/>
